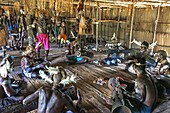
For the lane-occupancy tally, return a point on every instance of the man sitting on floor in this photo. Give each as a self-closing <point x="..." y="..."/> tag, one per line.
<point x="30" y="67"/>
<point x="8" y="94"/>
<point x="56" y="100"/>
<point x="145" y="94"/>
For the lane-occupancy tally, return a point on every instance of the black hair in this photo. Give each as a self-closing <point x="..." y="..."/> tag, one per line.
<point x="145" y="43"/>
<point x="162" y="53"/>
<point x="137" y="59"/>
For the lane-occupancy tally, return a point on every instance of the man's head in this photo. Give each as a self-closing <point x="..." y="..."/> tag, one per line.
<point x="30" y="51"/>
<point x="137" y="59"/>
<point x="63" y="23"/>
<point x="161" y="55"/>
<point x="41" y="14"/>
<point x="2" y="11"/>
<point x="144" y="45"/>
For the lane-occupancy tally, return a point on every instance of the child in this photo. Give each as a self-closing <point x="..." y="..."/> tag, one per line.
<point x="14" y="44"/>
<point x="62" y="34"/>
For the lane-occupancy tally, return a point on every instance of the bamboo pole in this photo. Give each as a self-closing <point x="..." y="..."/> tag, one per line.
<point x="101" y="24"/>
<point x="156" y="24"/>
<point x="118" y="22"/>
<point x="131" y="25"/>
<point x="97" y="27"/>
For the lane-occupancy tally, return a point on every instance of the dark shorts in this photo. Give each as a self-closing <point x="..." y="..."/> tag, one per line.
<point x="6" y="101"/>
<point x="136" y="106"/>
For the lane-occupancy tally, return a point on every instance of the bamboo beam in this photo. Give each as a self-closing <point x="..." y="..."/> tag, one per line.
<point x="97" y="28"/>
<point x="131" y="25"/>
<point x="159" y="22"/>
<point x="112" y="21"/>
<point x="3" y="4"/>
<point x="156" y="24"/>
<point x="162" y="45"/>
<point x="118" y="22"/>
<point x="125" y="4"/>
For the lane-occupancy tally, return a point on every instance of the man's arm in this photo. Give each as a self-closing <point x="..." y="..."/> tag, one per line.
<point x="140" y="91"/>
<point x="27" y="67"/>
<point x="69" y="104"/>
<point x="6" y="84"/>
<point x="31" y="97"/>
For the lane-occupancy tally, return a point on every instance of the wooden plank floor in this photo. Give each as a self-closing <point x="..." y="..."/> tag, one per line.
<point x="92" y="94"/>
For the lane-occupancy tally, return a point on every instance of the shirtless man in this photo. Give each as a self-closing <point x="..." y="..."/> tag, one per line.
<point x="30" y="67"/>
<point x="62" y="34"/>
<point x="53" y="100"/>
<point x="161" y="73"/>
<point x="42" y="38"/>
<point x="30" y="33"/>
<point x="3" y="31"/>
<point x="145" y="91"/>
<point x="161" y="59"/>
<point x="143" y="49"/>
<point x="7" y="93"/>
<point x="22" y="30"/>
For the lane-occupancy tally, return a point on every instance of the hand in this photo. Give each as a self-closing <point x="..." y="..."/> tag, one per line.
<point x="24" y="102"/>
<point x="109" y="101"/>
<point x="78" y="94"/>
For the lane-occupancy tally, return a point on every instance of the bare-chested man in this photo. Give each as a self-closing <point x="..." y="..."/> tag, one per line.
<point x="30" y="68"/>
<point x="145" y="94"/>
<point x="42" y="38"/>
<point x="3" y="30"/>
<point x="8" y="94"/>
<point x="53" y="100"/>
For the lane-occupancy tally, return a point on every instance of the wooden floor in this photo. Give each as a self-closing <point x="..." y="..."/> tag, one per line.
<point x="92" y="94"/>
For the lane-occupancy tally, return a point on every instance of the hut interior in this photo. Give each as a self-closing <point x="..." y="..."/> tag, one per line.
<point x="112" y="27"/>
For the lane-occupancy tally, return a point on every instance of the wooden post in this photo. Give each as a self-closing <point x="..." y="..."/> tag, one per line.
<point x="156" y="24"/>
<point x="117" y="28"/>
<point x="97" y="29"/>
<point x="100" y="25"/>
<point x="131" y="25"/>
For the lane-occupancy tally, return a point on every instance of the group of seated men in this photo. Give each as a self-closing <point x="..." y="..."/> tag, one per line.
<point x="64" y="99"/>
<point x="144" y="93"/>
<point x="150" y="87"/>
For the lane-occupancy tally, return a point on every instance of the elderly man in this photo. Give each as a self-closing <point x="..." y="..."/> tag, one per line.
<point x="30" y="67"/>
